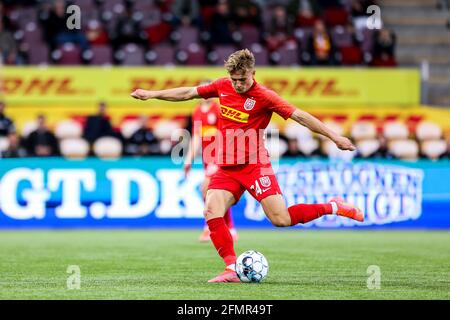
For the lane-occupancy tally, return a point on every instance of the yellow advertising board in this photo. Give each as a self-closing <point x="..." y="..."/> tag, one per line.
<point x="301" y="86"/>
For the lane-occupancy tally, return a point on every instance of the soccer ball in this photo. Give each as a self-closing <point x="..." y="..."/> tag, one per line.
<point x="252" y="266"/>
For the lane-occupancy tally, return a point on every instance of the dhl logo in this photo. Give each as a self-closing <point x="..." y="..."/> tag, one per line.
<point x="234" y="114"/>
<point x="40" y="86"/>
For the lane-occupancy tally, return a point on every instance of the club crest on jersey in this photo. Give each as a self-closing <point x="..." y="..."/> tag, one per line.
<point x="265" y="181"/>
<point x="249" y="104"/>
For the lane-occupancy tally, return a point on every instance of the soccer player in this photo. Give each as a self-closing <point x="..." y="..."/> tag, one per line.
<point x="245" y="111"/>
<point x="204" y="118"/>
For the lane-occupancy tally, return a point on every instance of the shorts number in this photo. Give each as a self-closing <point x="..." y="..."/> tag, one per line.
<point x="255" y="187"/>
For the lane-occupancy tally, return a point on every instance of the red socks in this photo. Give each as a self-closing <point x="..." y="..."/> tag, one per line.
<point x="222" y="240"/>
<point x="303" y="213"/>
<point x="229" y="219"/>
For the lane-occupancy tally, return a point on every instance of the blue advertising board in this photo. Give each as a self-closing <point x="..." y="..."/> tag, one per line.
<point x="153" y="193"/>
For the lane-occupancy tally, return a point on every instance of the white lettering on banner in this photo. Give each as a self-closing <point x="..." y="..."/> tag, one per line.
<point x="71" y="181"/>
<point x="121" y="207"/>
<point x="386" y="194"/>
<point x="180" y="197"/>
<point x="35" y="196"/>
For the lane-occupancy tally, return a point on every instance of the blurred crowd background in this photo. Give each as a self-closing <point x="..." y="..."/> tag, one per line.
<point x="194" y="32"/>
<point x="203" y="33"/>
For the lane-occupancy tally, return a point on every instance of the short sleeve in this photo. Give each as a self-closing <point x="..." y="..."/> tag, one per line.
<point x="279" y="105"/>
<point x="209" y="90"/>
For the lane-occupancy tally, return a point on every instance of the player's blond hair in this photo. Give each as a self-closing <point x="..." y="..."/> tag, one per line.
<point x="242" y="60"/>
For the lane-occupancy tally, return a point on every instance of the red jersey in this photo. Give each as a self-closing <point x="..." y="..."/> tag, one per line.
<point x="242" y="121"/>
<point x="205" y="120"/>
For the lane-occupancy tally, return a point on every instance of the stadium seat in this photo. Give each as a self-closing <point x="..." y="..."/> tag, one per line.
<point x="433" y="149"/>
<point x="367" y="147"/>
<point x="131" y="55"/>
<point x="195" y="55"/>
<point x="38" y="54"/>
<point x="361" y="130"/>
<point x="74" y="148"/>
<point x="128" y="127"/>
<point x="406" y="149"/>
<point x="162" y="54"/>
<point x="164" y="129"/>
<point x="351" y="55"/>
<point x="221" y="53"/>
<point x="249" y="35"/>
<point x="31" y="34"/>
<point x="307" y="146"/>
<point x="21" y="16"/>
<point x="107" y="148"/>
<point x="68" y="129"/>
<point x="293" y="131"/>
<point x="335" y="126"/>
<point x="335" y="17"/>
<point x="340" y="37"/>
<point x="4" y="143"/>
<point x="329" y="148"/>
<point x="185" y="36"/>
<point x="393" y="130"/>
<point x="67" y="54"/>
<point x="261" y="54"/>
<point x="287" y="55"/>
<point x="28" y="128"/>
<point x="101" y="55"/>
<point x="428" y="131"/>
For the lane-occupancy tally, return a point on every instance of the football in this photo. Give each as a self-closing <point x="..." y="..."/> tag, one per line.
<point x="252" y="266"/>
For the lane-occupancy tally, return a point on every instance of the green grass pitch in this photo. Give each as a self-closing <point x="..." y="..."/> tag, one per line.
<point x="171" y="264"/>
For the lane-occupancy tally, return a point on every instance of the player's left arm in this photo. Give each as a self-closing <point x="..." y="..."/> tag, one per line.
<point x="317" y="126"/>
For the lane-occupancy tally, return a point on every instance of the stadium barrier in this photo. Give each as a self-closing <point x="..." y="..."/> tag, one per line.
<point x="301" y="86"/>
<point x="152" y="193"/>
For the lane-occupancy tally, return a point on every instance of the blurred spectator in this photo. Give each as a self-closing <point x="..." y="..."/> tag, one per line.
<point x="186" y="12"/>
<point x="15" y="149"/>
<point x="98" y="125"/>
<point x="142" y="142"/>
<point x="56" y="31"/>
<point x="8" y="46"/>
<point x="42" y="142"/>
<point x="127" y="31"/>
<point x="246" y="12"/>
<point x="320" y="46"/>
<point x="96" y="34"/>
<point x="222" y="24"/>
<point x="384" y="49"/>
<point x="280" y="29"/>
<point x="6" y="125"/>
<point x="327" y="4"/>
<point x="303" y="12"/>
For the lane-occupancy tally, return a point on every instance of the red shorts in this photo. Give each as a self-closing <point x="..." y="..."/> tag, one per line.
<point x="258" y="179"/>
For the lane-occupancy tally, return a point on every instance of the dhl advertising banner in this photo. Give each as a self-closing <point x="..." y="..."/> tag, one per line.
<point x="300" y="86"/>
<point x="153" y="193"/>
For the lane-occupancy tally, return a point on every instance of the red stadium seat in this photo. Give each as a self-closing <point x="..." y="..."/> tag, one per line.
<point x="101" y="55"/>
<point x="335" y="17"/>
<point x="351" y="55"/>
<point x="68" y="54"/>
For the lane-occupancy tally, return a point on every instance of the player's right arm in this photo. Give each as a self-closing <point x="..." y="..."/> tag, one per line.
<point x="175" y="94"/>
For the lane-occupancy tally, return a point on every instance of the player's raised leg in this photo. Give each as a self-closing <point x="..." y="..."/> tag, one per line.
<point x="275" y="209"/>
<point x="217" y="203"/>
